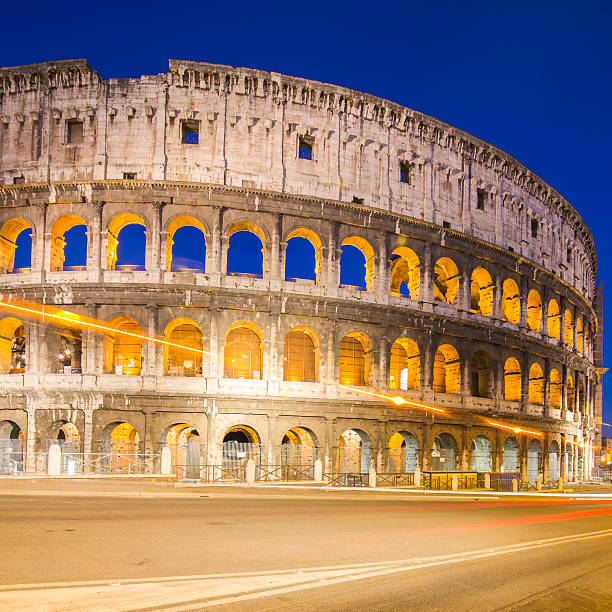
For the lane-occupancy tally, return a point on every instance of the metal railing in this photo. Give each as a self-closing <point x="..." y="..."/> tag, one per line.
<point x="394" y="479"/>
<point x="346" y="479"/>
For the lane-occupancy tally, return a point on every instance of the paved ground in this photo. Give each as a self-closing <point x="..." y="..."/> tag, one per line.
<point x="126" y="546"/>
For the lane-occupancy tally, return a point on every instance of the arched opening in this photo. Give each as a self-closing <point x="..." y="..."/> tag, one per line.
<point x="554" y="398"/>
<point x="403" y="453"/>
<point x="186" y="245"/>
<point x="570" y="393"/>
<point x="357" y="264"/>
<point x="68" y="244"/>
<point x="120" y="448"/>
<point x="581" y="397"/>
<point x="184" y="356"/>
<point x="301" y="355"/>
<point x="11" y="448"/>
<point x="554" y="470"/>
<point x="444" y="454"/>
<point x="298" y="454"/>
<point x="568" y="329"/>
<point x="481" y="454"/>
<point x="554" y="317"/>
<point x="243" y="351"/>
<point x="446" y="370"/>
<point x="511" y="301"/>
<point x="354" y="452"/>
<point x="123" y="350"/>
<point x="246" y="250"/>
<point x="534" y="461"/>
<point x="481" y="292"/>
<point x="126" y="243"/>
<point x="510" y="459"/>
<point x="446" y="280"/>
<point x="12" y="346"/>
<point x="70" y="348"/>
<point x="69" y="440"/>
<point x="15" y="246"/>
<point x="240" y="443"/>
<point x="536" y="385"/>
<point x="405" y="365"/>
<point x="356" y="359"/>
<point x="534" y="311"/>
<point x="512" y="380"/>
<point x="405" y="273"/>
<point x="482" y="381"/>
<point x="303" y="255"/>
<point x="183" y="442"/>
<point x="579" y="335"/>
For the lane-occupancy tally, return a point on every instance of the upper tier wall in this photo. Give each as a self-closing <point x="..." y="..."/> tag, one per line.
<point x="250" y="123"/>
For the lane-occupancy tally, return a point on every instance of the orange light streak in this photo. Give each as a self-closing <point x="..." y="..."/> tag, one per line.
<point x="396" y="399"/>
<point x="77" y="320"/>
<point x="515" y="429"/>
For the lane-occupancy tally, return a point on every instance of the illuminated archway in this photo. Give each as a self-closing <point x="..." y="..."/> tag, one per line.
<point x="298" y="454"/>
<point x="536" y="384"/>
<point x="403" y="453"/>
<point x="241" y="443"/>
<point x="570" y="393"/>
<point x="243" y="351"/>
<point x="134" y="257"/>
<point x="554" y="396"/>
<point x="481" y="454"/>
<point x="579" y="335"/>
<point x="446" y="370"/>
<point x="186" y="245"/>
<point x="301" y="355"/>
<point x="444" y="455"/>
<point x="553" y="461"/>
<point x="534" y="461"/>
<point x="510" y="458"/>
<point x="121" y="447"/>
<point x="512" y="380"/>
<point x="123" y="353"/>
<point x="183" y="442"/>
<point x="554" y="317"/>
<point x="246" y="250"/>
<point x="405" y="273"/>
<point x="11" y="448"/>
<point x="303" y="255"/>
<point x="534" y="310"/>
<point x="13" y="236"/>
<point x="481" y="292"/>
<point x="62" y="232"/>
<point x="69" y="351"/>
<point x="482" y="381"/>
<point x="354" y="452"/>
<point x="12" y="346"/>
<point x="511" y="301"/>
<point x="405" y="365"/>
<point x="568" y="329"/>
<point x="446" y="280"/>
<point x="355" y="359"/>
<point x="185" y="361"/>
<point x="357" y="263"/>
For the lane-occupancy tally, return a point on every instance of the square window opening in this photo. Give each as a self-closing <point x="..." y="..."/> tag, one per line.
<point x="405" y="172"/>
<point x="18" y="180"/>
<point x="305" y="147"/>
<point x="75" y="132"/>
<point x="357" y="200"/>
<point x="569" y="254"/>
<point x="129" y="176"/>
<point x="190" y="132"/>
<point x="446" y="224"/>
<point x="481" y="203"/>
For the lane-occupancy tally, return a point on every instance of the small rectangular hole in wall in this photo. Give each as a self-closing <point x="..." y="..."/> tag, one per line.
<point x="305" y="147"/>
<point x="511" y="249"/>
<point x="446" y="224"/>
<point x="129" y="176"/>
<point x="481" y="202"/>
<point x="357" y="200"/>
<point x="569" y="254"/>
<point x="405" y="172"/>
<point x="75" y="132"/>
<point x="18" y="180"/>
<point x="534" y="228"/>
<point x="190" y="132"/>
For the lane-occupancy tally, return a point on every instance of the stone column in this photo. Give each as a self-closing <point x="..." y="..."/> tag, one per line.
<point x="382" y="379"/>
<point x="330" y="447"/>
<point x="333" y="261"/>
<point x="563" y="459"/>
<point x="524" y="295"/>
<point x="426" y="274"/>
<point x="94" y="243"/>
<point x="466" y="442"/>
<point x="524" y="382"/>
<point x="425" y="448"/>
<point x="214" y="247"/>
<point x="428" y="357"/>
<point x="274" y="250"/>
<point x="332" y="350"/>
<point x="30" y="441"/>
<point x="497" y="299"/>
<point x="383" y="278"/>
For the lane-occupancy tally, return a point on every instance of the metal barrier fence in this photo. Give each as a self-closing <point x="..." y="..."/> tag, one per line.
<point x="347" y="479"/>
<point x="443" y="481"/>
<point x="394" y="479"/>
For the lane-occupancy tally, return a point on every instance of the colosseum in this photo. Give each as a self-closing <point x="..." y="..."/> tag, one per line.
<point x="378" y="253"/>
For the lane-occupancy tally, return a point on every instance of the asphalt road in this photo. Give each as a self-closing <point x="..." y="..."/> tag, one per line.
<point x="233" y="549"/>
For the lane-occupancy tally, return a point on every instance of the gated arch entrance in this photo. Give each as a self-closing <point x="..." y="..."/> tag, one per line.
<point x="298" y="454"/>
<point x="444" y="453"/>
<point x="510" y="461"/>
<point x="403" y="453"/>
<point x="120" y="445"/>
<point x="481" y="455"/>
<point x="11" y="448"/>
<point x="553" y="461"/>
<point x="183" y="441"/>
<point x="68" y="439"/>
<point x="354" y="452"/>
<point x="240" y="443"/>
<point x="534" y="461"/>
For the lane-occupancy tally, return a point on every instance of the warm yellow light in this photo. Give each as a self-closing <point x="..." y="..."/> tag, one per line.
<point x="515" y="429"/>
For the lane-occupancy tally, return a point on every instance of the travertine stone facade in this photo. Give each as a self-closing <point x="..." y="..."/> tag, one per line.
<point x="77" y="149"/>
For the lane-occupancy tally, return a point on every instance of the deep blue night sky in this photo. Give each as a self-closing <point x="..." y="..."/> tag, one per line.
<point x="533" y="78"/>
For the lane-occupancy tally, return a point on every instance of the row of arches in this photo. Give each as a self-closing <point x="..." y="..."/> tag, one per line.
<point x="301" y="360"/>
<point x="299" y="448"/>
<point x="186" y="251"/>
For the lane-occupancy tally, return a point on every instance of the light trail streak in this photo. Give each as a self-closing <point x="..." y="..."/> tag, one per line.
<point x="76" y="319"/>
<point x="396" y="399"/>
<point x="515" y="429"/>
